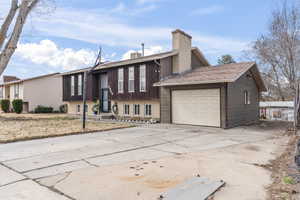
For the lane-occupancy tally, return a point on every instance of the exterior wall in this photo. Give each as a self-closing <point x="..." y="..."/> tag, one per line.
<point x="45" y="91"/>
<point x="238" y="113"/>
<point x="72" y="107"/>
<point x="66" y="84"/>
<point x="152" y="76"/>
<point x="166" y="100"/>
<point x="155" y="109"/>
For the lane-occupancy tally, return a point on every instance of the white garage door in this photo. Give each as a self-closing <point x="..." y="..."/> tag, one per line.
<point x="196" y="107"/>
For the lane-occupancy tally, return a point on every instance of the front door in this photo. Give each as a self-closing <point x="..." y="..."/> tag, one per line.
<point x="104" y="93"/>
<point x="104" y="100"/>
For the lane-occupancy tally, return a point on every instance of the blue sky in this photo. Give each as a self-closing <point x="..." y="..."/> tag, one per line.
<point x="67" y="37"/>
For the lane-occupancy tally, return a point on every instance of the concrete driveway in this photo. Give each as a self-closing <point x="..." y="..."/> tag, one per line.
<point x="138" y="163"/>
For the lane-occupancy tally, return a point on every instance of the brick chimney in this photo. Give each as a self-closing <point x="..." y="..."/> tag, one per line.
<point x="135" y="55"/>
<point x="182" y="42"/>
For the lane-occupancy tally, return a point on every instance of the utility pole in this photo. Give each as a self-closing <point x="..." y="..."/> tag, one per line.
<point x="86" y="73"/>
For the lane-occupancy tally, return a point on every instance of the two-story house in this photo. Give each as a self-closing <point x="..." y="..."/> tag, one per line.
<point x="178" y="86"/>
<point x="43" y="90"/>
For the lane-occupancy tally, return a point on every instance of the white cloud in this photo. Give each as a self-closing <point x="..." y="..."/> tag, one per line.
<point x="208" y="10"/>
<point x="148" y="51"/>
<point x="48" y="53"/>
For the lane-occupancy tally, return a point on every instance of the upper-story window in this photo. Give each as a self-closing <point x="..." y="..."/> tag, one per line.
<point x="131" y="79"/>
<point x="143" y="78"/>
<point x="80" y="84"/>
<point x="120" y="80"/>
<point x="72" y="85"/>
<point x="16" y="90"/>
<point x="1" y="93"/>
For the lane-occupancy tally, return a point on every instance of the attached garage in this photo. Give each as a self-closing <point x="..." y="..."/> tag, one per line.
<point x="223" y="96"/>
<point x="196" y="107"/>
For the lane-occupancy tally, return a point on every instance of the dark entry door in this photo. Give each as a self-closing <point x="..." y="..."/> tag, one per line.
<point x="104" y="91"/>
<point x="104" y="100"/>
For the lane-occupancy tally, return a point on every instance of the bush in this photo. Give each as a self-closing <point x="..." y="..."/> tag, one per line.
<point x="5" y="105"/>
<point x="17" y="105"/>
<point x="63" y="108"/>
<point x="43" y="109"/>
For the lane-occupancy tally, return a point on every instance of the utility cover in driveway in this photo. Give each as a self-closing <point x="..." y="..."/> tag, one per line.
<point x="196" y="107"/>
<point x="197" y="188"/>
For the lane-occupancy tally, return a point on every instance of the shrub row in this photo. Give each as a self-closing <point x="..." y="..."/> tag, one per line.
<point x="17" y="105"/>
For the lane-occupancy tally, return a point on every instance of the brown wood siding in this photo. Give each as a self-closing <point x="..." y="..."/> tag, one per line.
<point x="152" y="76"/>
<point x="67" y="88"/>
<point x="238" y="112"/>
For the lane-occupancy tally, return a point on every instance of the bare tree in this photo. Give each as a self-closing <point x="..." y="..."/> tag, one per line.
<point x="279" y="49"/>
<point x="14" y="21"/>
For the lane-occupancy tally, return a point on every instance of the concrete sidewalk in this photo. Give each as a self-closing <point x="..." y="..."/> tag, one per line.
<point x="60" y="168"/>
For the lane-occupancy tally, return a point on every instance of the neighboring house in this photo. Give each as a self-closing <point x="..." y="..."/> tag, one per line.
<point x="178" y="86"/>
<point x="43" y="90"/>
<point x="277" y="110"/>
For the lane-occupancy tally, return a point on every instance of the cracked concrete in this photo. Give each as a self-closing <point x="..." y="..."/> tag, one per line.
<point x="84" y="166"/>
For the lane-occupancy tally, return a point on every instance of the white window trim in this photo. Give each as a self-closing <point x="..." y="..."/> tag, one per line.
<point x="73" y="85"/>
<point x="145" y="109"/>
<point x="121" y="80"/>
<point x="79" y="85"/>
<point x="131" y="78"/>
<point x="143" y="79"/>
<point x="247" y="100"/>
<point x="124" y="110"/>
<point x="134" y="105"/>
<point x="16" y="91"/>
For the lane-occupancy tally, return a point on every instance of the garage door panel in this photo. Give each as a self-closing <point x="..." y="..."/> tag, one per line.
<point x="196" y="107"/>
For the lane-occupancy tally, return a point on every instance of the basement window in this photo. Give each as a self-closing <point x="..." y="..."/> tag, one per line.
<point x="136" y="109"/>
<point x="148" y="110"/>
<point x="78" y="108"/>
<point x="247" y="97"/>
<point x="126" y="109"/>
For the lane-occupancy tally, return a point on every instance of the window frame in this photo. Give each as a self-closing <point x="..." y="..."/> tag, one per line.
<point x="148" y="109"/>
<point x="79" y="86"/>
<point x="131" y="79"/>
<point x="124" y="109"/>
<point x="72" y="85"/>
<point x="16" y="91"/>
<point x="247" y="100"/>
<point x="142" y="77"/>
<point x="136" y="109"/>
<point x="120" y="81"/>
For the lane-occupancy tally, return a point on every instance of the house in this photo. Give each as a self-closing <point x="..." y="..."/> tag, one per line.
<point x="178" y="86"/>
<point x="43" y="90"/>
<point x="277" y="110"/>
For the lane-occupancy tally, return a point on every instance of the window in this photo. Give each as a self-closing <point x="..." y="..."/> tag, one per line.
<point x="136" y="109"/>
<point x="72" y="86"/>
<point x="148" y="110"/>
<point x="1" y="92"/>
<point x="143" y="78"/>
<point x="16" y="90"/>
<point x="80" y="84"/>
<point x="126" y="109"/>
<point x="78" y="108"/>
<point x="131" y="79"/>
<point x="120" y="80"/>
<point x="247" y="97"/>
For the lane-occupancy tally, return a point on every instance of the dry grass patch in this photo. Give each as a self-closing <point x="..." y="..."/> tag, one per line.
<point x="32" y="126"/>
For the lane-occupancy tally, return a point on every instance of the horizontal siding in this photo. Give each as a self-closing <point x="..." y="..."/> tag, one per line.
<point x="238" y="112"/>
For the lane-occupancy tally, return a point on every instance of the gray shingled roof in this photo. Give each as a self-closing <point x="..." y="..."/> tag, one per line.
<point x="214" y="74"/>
